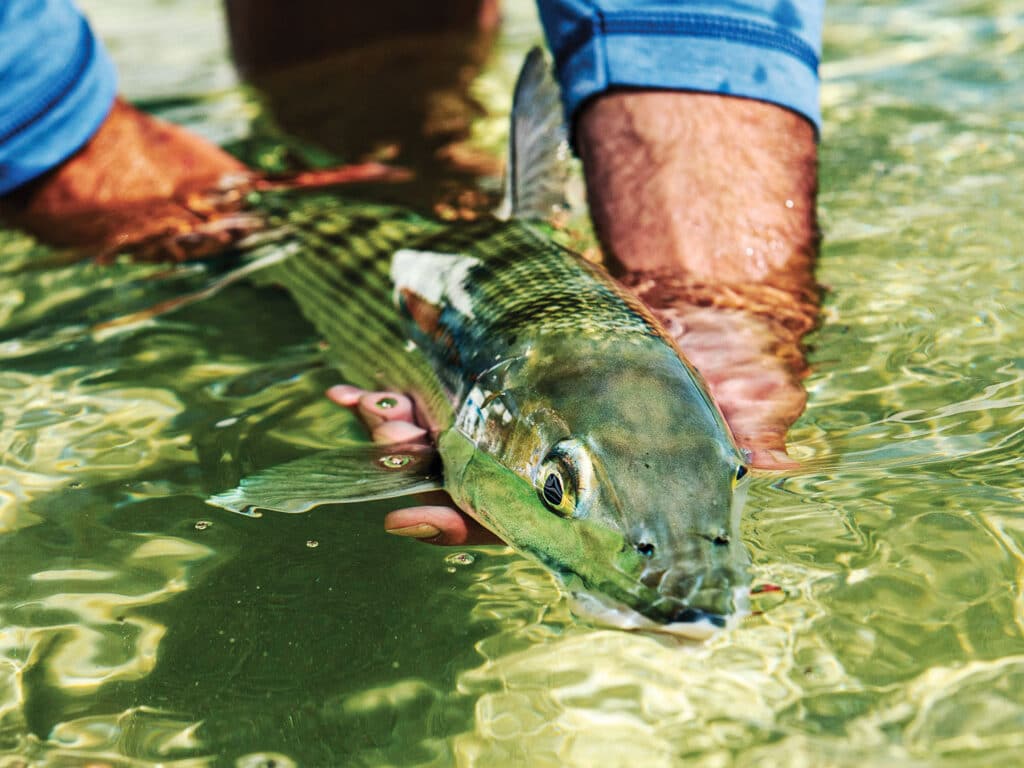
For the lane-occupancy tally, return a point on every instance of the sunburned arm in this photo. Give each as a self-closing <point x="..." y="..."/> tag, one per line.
<point x="154" y="189"/>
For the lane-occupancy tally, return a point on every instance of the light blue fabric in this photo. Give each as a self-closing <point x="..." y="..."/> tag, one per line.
<point x="760" y="49"/>
<point x="56" y="86"/>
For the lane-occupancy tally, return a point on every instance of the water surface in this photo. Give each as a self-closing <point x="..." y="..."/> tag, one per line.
<point x="139" y="626"/>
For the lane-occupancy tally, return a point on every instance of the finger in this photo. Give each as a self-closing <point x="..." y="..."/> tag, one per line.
<point x="329" y="177"/>
<point x="375" y="408"/>
<point x="771" y="458"/>
<point x="438" y="525"/>
<point x="345" y="395"/>
<point x="391" y="432"/>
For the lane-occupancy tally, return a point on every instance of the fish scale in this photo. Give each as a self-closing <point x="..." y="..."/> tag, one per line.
<point x="522" y="283"/>
<point x="339" y="277"/>
<point x="526" y="280"/>
<point x="523" y="286"/>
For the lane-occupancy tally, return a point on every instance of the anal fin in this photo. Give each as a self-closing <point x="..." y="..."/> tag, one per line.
<point x="357" y="472"/>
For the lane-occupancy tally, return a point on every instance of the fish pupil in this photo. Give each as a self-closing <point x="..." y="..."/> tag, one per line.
<point x="553" y="492"/>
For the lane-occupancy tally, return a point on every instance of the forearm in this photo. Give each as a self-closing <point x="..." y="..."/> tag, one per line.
<point x="696" y="124"/>
<point x="718" y="189"/>
<point x="705" y="206"/>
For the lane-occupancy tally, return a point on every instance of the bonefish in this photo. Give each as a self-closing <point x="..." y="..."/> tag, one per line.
<point x="563" y="416"/>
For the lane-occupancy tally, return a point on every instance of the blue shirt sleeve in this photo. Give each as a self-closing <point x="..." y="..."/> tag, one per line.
<point x="57" y="85"/>
<point x="760" y="49"/>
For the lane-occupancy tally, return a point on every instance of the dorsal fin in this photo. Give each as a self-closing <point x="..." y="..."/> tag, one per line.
<point x="539" y="155"/>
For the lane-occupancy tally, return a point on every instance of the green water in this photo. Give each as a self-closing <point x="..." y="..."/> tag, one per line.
<point x="139" y="626"/>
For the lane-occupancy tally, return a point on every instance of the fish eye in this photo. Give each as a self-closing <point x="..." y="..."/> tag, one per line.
<point x="553" y="490"/>
<point x="741" y="472"/>
<point x="557" y="486"/>
<point x="646" y="549"/>
<point x="562" y="479"/>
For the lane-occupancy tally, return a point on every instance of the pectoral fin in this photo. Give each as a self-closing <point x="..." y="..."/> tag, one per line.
<point x="358" y="472"/>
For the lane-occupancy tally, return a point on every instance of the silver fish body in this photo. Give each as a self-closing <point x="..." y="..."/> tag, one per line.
<point x="567" y="381"/>
<point x="565" y="418"/>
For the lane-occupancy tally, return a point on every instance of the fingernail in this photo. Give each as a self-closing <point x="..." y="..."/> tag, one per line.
<point x="418" y="531"/>
<point x="344" y="394"/>
<point x="780" y="456"/>
<point x="398" y="432"/>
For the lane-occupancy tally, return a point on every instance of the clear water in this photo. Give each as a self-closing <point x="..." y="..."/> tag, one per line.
<point x="139" y="626"/>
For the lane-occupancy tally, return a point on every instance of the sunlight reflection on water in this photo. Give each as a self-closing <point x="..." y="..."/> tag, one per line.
<point x="128" y="631"/>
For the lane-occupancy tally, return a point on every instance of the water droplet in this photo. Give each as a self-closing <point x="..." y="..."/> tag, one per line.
<point x="789" y="203"/>
<point x="387" y="402"/>
<point x="395" y="460"/>
<point x="264" y="760"/>
<point x="312" y="543"/>
<point x="459" y="558"/>
<point x="202" y="525"/>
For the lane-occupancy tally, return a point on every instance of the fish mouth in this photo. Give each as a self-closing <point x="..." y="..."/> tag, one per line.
<point x="688" y="623"/>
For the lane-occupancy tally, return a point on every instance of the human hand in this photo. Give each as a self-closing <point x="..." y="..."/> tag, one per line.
<point x="745" y="342"/>
<point x="130" y="182"/>
<point x="152" y="188"/>
<point x="390" y="416"/>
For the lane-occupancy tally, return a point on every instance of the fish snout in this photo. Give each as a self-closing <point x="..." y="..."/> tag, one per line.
<point x="705" y="590"/>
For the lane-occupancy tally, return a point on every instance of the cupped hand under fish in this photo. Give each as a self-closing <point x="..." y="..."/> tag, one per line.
<point x="390" y="416"/>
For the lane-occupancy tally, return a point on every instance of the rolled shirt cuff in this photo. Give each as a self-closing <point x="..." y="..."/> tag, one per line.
<point x="58" y="87"/>
<point x="770" y="55"/>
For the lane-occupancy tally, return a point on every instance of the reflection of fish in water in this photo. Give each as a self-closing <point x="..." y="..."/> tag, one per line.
<point x="563" y="415"/>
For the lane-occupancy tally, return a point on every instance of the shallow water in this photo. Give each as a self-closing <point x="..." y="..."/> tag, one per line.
<point x="140" y="626"/>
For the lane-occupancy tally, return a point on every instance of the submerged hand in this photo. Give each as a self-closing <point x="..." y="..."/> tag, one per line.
<point x="390" y="416"/>
<point x="128" y="183"/>
<point x="747" y="348"/>
<point x="155" y="189"/>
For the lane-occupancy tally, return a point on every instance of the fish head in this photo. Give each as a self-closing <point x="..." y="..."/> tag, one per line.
<point x="633" y="486"/>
